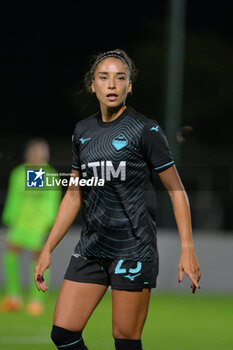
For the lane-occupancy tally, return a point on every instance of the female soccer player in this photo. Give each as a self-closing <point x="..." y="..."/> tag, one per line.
<point x="29" y="215"/>
<point x="118" y="245"/>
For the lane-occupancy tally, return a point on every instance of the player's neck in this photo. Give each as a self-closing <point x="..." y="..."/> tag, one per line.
<point x="109" y="114"/>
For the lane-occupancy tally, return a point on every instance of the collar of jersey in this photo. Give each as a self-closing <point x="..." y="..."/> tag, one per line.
<point x="115" y="121"/>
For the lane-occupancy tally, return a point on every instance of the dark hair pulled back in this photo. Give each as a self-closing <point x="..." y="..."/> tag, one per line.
<point x="96" y="59"/>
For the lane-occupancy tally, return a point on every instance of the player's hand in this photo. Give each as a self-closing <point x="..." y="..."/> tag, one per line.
<point x="42" y="264"/>
<point x="189" y="264"/>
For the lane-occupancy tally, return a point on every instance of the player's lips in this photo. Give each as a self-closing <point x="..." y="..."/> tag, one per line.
<point x="111" y="96"/>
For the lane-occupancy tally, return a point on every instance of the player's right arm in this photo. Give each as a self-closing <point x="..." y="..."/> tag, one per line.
<point x="67" y="212"/>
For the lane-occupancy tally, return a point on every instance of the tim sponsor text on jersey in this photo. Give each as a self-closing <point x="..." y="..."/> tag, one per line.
<point x="107" y="170"/>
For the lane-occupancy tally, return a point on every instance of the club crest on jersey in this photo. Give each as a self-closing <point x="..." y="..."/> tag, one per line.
<point x="119" y="142"/>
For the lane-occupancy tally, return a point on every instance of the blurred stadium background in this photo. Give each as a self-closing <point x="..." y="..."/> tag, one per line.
<point x="184" y="53"/>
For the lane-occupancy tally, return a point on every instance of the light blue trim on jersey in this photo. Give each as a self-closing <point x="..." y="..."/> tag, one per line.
<point x="76" y="167"/>
<point x="162" y="166"/>
<point x="64" y="346"/>
<point x="156" y="128"/>
<point x="84" y="140"/>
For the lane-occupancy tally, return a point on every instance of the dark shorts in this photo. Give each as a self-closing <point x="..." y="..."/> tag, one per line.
<point x="117" y="273"/>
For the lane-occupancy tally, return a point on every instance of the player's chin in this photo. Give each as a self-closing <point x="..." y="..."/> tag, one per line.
<point x="115" y="104"/>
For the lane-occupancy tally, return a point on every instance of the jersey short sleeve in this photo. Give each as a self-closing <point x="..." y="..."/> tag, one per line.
<point x="155" y="147"/>
<point x="75" y="151"/>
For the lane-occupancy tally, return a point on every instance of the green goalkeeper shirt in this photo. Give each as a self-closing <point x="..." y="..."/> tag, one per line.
<point x="26" y="210"/>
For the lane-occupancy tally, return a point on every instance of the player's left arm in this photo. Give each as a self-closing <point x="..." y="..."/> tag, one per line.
<point x="188" y="261"/>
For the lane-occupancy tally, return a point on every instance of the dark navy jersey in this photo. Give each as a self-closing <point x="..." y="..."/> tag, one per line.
<point x="119" y="216"/>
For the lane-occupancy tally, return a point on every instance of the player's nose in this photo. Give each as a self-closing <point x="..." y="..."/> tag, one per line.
<point x="111" y="83"/>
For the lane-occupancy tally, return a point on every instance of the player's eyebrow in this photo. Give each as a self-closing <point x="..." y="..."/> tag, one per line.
<point x="108" y="72"/>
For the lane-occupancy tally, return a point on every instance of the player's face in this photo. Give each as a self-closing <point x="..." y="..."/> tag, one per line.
<point x="111" y="82"/>
<point x="36" y="154"/>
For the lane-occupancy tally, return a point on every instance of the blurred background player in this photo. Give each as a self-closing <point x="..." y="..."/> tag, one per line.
<point x="28" y="214"/>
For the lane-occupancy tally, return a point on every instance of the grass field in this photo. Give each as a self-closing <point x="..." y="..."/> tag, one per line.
<point x="175" y="322"/>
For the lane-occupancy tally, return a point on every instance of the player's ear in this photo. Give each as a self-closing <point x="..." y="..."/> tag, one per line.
<point x="93" y="86"/>
<point x="130" y="87"/>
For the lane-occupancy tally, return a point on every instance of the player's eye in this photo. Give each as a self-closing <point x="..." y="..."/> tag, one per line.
<point x="103" y="77"/>
<point x="121" y="78"/>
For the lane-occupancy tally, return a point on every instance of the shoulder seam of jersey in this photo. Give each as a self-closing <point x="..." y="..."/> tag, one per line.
<point x="137" y="115"/>
<point x="86" y="119"/>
